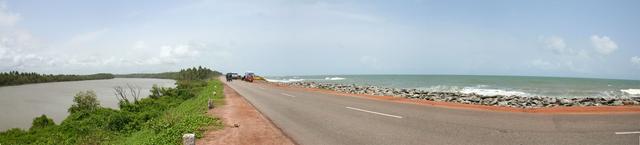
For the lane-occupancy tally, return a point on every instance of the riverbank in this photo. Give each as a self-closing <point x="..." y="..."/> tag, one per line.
<point x="161" y="118"/>
<point x="54" y="98"/>
<point x="474" y="101"/>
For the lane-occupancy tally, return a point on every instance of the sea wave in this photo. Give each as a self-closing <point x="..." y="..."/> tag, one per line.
<point x="442" y="88"/>
<point x="333" y="78"/>
<point x="631" y="91"/>
<point x="478" y="89"/>
<point x="492" y="92"/>
<point x="284" y="80"/>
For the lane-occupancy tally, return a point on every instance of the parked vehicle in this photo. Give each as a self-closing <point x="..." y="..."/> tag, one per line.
<point x="235" y="76"/>
<point x="248" y="77"/>
<point x="229" y="76"/>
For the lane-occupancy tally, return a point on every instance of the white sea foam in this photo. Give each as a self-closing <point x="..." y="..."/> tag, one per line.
<point x="479" y="89"/>
<point x="284" y="80"/>
<point x="333" y="78"/>
<point x="631" y="91"/>
<point x="491" y="92"/>
<point x="441" y="88"/>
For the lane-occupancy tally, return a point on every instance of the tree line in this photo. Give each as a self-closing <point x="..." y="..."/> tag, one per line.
<point x="19" y="78"/>
<point x="194" y="73"/>
<point x="164" y="75"/>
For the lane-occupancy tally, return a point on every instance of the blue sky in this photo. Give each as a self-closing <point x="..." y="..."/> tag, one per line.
<point x="284" y="37"/>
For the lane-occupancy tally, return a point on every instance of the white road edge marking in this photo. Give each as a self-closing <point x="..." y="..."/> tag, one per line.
<point x="389" y="115"/>
<point x="292" y="96"/>
<point x="630" y="132"/>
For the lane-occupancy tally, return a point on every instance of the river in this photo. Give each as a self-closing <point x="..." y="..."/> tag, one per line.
<point x="20" y="104"/>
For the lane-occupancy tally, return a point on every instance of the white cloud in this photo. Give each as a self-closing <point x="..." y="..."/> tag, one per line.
<point x="223" y="54"/>
<point x="567" y="58"/>
<point x="370" y="61"/>
<point x="542" y="64"/>
<point x="338" y="12"/>
<point x="16" y="44"/>
<point x="356" y="16"/>
<point x="7" y="18"/>
<point x="172" y="54"/>
<point x="556" y="44"/>
<point x="143" y="55"/>
<point x="559" y="65"/>
<point x="178" y="51"/>
<point x="88" y="37"/>
<point x="138" y="45"/>
<point x="604" y="44"/>
<point x="635" y="60"/>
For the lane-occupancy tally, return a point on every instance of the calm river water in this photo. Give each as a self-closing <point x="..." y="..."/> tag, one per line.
<point x="20" y="104"/>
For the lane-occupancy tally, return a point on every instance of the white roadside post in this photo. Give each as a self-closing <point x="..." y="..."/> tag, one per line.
<point x="189" y="139"/>
<point x="210" y="101"/>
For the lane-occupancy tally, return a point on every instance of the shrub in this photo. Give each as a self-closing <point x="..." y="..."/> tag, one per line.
<point x="84" y="101"/>
<point x="155" y="92"/>
<point x="119" y="121"/>
<point x="41" y="122"/>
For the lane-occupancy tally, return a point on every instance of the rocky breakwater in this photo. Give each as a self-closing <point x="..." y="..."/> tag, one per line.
<point x="456" y="97"/>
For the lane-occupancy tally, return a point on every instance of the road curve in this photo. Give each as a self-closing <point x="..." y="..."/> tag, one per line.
<point x="312" y="118"/>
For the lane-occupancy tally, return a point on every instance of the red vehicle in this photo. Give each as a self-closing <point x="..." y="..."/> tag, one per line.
<point x="248" y="77"/>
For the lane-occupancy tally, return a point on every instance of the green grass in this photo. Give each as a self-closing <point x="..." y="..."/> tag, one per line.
<point x="188" y="117"/>
<point x="159" y="120"/>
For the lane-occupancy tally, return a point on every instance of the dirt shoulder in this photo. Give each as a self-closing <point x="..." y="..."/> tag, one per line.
<point x="551" y="110"/>
<point x="253" y="127"/>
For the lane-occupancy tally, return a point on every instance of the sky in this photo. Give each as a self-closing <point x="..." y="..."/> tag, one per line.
<point x="570" y="38"/>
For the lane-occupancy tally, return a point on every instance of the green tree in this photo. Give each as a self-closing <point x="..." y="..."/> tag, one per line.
<point x="41" y="122"/>
<point x="84" y="101"/>
<point x="18" y="78"/>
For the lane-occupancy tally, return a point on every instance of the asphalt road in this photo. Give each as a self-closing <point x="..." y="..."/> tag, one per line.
<point x="311" y="118"/>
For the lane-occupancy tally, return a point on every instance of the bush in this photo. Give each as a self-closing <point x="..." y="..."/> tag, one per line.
<point x="41" y="122"/>
<point x="157" y="92"/>
<point x="119" y="122"/>
<point x="84" y="101"/>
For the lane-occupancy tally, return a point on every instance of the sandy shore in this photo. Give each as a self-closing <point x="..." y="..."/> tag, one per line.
<point x="547" y="110"/>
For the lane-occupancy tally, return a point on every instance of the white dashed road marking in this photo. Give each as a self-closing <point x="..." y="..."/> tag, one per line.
<point x="373" y="112"/>
<point x="292" y="96"/>
<point x="629" y="132"/>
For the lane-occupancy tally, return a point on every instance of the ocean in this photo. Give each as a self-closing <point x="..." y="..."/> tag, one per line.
<point x="486" y="85"/>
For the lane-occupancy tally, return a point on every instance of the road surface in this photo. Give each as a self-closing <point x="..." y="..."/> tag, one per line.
<point x="311" y="118"/>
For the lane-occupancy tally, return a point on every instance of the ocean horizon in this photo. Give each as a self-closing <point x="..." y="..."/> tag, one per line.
<point x="528" y="86"/>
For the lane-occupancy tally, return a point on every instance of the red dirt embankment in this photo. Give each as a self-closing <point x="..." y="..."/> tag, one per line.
<point x="551" y="110"/>
<point x="253" y="128"/>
